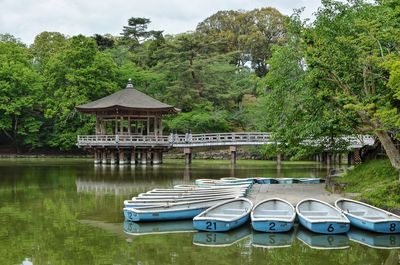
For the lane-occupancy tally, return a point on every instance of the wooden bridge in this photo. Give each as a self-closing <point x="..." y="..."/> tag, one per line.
<point x="198" y="140"/>
<point x="153" y="144"/>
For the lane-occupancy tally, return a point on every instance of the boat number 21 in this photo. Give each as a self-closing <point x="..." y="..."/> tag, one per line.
<point x="211" y="225"/>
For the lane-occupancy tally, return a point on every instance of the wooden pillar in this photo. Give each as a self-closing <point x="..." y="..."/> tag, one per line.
<point x="148" y="125"/>
<point x="104" y="157"/>
<point x="133" y="157"/>
<point x="116" y="125"/>
<point x="97" y="156"/>
<point x="156" y="157"/>
<point x="357" y="156"/>
<point x="129" y="125"/>
<point x="279" y="159"/>
<point x="143" y="157"/>
<point x="233" y="151"/>
<point x="121" y="156"/>
<point x="113" y="157"/>
<point x="188" y="155"/>
<point x="350" y="158"/>
<point x="160" y="126"/>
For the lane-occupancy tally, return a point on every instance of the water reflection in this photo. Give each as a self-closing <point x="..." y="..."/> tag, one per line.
<point x="320" y="241"/>
<point x="273" y="240"/>
<point x="215" y="239"/>
<point x="152" y="228"/>
<point x="374" y="240"/>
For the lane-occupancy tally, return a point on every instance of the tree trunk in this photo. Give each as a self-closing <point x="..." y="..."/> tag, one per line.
<point x="390" y="148"/>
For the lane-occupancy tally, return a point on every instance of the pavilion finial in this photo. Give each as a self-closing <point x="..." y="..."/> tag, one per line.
<point x="129" y="85"/>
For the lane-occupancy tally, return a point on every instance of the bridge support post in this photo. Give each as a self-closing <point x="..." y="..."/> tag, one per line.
<point x="113" y="158"/>
<point x="97" y="156"/>
<point x="143" y="157"/>
<point x="279" y="159"/>
<point x="188" y="155"/>
<point x="133" y="157"/>
<point x="104" y="157"/>
<point x="233" y="151"/>
<point x="357" y="155"/>
<point x="121" y="158"/>
<point x="157" y="157"/>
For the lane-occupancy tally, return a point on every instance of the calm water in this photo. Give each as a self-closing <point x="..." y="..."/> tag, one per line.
<point x="69" y="212"/>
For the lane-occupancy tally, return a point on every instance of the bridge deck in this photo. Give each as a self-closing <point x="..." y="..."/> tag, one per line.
<point x="198" y="140"/>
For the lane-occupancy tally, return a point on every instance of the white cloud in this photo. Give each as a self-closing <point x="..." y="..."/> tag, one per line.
<point x="26" y="18"/>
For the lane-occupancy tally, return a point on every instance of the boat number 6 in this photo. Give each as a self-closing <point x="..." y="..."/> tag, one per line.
<point x="330" y="228"/>
<point x="392" y="227"/>
<point x="210" y="225"/>
<point x="272" y="226"/>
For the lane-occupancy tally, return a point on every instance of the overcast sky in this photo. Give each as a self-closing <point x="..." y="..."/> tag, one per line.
<point x="26" y="18"/>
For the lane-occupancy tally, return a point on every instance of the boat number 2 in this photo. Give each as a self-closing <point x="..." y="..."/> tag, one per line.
<point x="130" y="215"/>
<point x="392" y="227"/>
<point x="272" y="226"/>
<point x="331" y="228"/>
<point x="211" y="225"/>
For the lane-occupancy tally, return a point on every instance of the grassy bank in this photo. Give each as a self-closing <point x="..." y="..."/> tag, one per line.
<point x="376" y="182"/>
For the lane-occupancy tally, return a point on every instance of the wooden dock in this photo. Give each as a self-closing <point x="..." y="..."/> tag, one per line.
<point x="292" y="192"/>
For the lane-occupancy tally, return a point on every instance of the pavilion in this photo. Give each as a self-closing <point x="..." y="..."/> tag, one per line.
<point x="127" y="117"/>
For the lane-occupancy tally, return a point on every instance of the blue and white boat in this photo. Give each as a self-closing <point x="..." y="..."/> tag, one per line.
<point x="175" y="211"/>
<point x="146" y="196"/>
<point x="216" y="239"/>
<point x="210" y="187"/>
<point x="213" y="182"/>
<point x="368" y="217"/>
<point x="273" y="215"/>
<point x="224" y="216"/>
<point x="134" y="203"/>
<point x="286" y="180"/>
<point x="266" y="181"/>
<point x="374" y="240"/>
<point x="320" y="241"/>
<point x="310" y="180"/>
<point x="321" y="217"/>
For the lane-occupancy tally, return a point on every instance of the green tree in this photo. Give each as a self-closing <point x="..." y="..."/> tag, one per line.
<point x="352" y="52"/>
<point x="75" y="75"/>
<point x="45" y="45"/>
<point x="20" y="93"/>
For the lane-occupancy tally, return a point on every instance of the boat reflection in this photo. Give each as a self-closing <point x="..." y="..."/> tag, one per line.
<point x="273" y="240"/>
<point x="321" y="241"/>
<point x="152" y="228"/>
<point x="221" y="239"/>
<point x="374" y="240"/>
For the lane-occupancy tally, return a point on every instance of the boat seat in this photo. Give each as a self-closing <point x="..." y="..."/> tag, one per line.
<point x="358" y="213"/>
<point x="325" y="217"/>
<point x="314" y="213"/>
<point x="274" y="212"/>
<point x="233" y="211"/>
<point x="374" y="217"/>
<point x="222" y="215"/>
<point x="275" y="216"/>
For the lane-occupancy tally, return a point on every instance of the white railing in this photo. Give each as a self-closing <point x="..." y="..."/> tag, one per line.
<point x="201" y="140"/>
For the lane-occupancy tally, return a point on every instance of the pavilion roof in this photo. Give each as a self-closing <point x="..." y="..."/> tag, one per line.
<point x="128" y="99"/>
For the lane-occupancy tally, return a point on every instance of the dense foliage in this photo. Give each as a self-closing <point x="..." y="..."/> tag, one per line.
<point x="239" y="70"/>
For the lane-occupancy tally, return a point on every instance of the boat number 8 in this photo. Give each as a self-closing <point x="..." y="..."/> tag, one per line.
<point x="210" y="225"/>
<point x="272" y="226"/>
<point x="330" y="228"/>
<point x="392" y="227"/>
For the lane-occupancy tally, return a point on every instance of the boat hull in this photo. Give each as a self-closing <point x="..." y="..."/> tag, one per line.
<point x="217" y="225"/>
<point x="266" y="181"/>
<point x="272" y="226"/>
<point x="387" y="227"/>
<point x="162" y="216"/>
<point x="325" y="227"/>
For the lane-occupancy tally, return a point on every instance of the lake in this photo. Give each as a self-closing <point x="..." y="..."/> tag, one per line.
<point x="68" y="211"/>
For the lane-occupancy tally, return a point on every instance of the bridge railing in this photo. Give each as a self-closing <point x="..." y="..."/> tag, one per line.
<point x="198" y="140"/>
